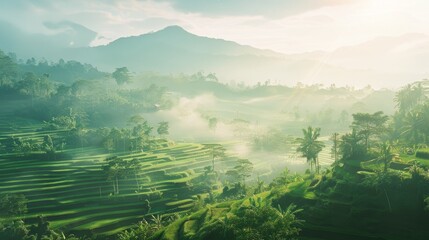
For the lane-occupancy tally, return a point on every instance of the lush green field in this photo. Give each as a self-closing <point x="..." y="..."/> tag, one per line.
<point x="73" y="193"/>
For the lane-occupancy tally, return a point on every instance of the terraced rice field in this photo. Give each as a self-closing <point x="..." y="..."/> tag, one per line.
<point x="73" y="193"/>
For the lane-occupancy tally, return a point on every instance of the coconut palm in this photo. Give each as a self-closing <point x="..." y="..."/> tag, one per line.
<point x="410" y="96"/>
<point x="412" y="128"/>
<point x="157" y="222"/>
<point x="310" y="147"/>
<point x="351" y="146"/>
<point x="386" y="156"/>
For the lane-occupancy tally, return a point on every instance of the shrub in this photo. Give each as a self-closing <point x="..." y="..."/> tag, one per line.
<point x="423" y="153"/>
<point x="266" y="222"/>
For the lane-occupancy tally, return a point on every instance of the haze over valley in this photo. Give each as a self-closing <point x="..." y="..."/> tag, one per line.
<point x="207" y="120"/>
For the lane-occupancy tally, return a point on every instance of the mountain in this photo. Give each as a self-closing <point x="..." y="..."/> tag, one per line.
<point x="382" y="62"/>
<point x="170" y="49"/>
<point x="174" y="50"/>
<point x="61" y="37"/>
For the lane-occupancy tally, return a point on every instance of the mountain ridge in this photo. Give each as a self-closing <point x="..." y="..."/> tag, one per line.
<point x="173" y="50"/>
<point x="175" y="32"/>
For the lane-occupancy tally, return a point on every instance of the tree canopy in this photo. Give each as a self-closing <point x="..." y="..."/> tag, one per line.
<point x="121" y="75"/>
<point x="310" y="147"/>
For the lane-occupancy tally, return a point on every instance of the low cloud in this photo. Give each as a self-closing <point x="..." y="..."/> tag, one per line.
<point x="188" y="120"/>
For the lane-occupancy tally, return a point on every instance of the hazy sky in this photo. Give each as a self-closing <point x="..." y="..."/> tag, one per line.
<point x="282" y="25"/>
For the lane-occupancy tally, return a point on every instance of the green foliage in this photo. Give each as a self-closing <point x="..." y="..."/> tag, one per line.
<point x="413" y="127"/>
<point x="410" y="122"/>
<point x="423" y="153"/>
<point x="285" y="178"/>
<point x="236" y="191"/>
<point x="16" y="230"/>
<point x="265" y="222"/>
<point x="385" y="155"/>
<point x="36" y="86"/>
<point x="256" y="202"/>
<point x="59" y="122"/>
<point x="8" y="70"/>
<point x="369" y="126"/>
<point x="138" y="137"/>
<point x="217" y="152"/>
<point x="162" y="128"/>
<point x="352" y="146"/>
<point x="94" y="99"/>
<point x="310" y="147"/>
<point x="206" y="182"/>
<point x="234" y="220"/>
<point x="260" y="186"/>
<point x="121" y="75"/>
<point x="142" y="231"/>
<point x="21" y="145"/>
<point x="116" y="168"/>
<point x="241" y="171"/>
<point x="13" y="205"/>
<point x="336" y="146"/>
<point x="42" y="229"/>
<point x="62" y="71"/>
<point x="198" y="203"/>
<point x="381" y="180"/>
<point x="418" y="174"/>
<point x="410" y="96"/>
<point x="48" y="145"/>
<point x="158" y="221"/>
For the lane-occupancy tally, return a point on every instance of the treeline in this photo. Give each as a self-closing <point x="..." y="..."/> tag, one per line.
<point x="138" y="136"/>
<point x="379" y="137"/>
<point x="97" y="102"/>
<point x="65" y="72"/>
<point x="376" y="135"/>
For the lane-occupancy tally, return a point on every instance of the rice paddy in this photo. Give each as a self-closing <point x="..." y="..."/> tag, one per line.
<point x="73" y="193"/>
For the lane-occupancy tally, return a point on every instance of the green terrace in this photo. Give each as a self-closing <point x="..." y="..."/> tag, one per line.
<point x="73" y="192"/>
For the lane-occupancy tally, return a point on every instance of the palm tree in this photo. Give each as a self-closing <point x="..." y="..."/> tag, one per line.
<point x="259" y="186"/>
<point x="386" y="155"/>
<point x="310" y="147"/>
<point x="136" y="168"/>
<point x="351" y="146"/>
<point x="403" y="98"/>
<point x="424" y="114"/>
<point x="157" y="222"/>
<point x="335" y="146"/>
<point x="410" y="96"/>
<point x="289" y="214"/>
<point x="412" y="128"/>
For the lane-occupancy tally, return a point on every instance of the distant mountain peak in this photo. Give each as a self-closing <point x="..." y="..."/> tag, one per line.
<point x="173" y="29"/>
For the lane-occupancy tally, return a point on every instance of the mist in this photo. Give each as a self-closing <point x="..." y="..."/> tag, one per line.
<point x="200" y="120"/>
